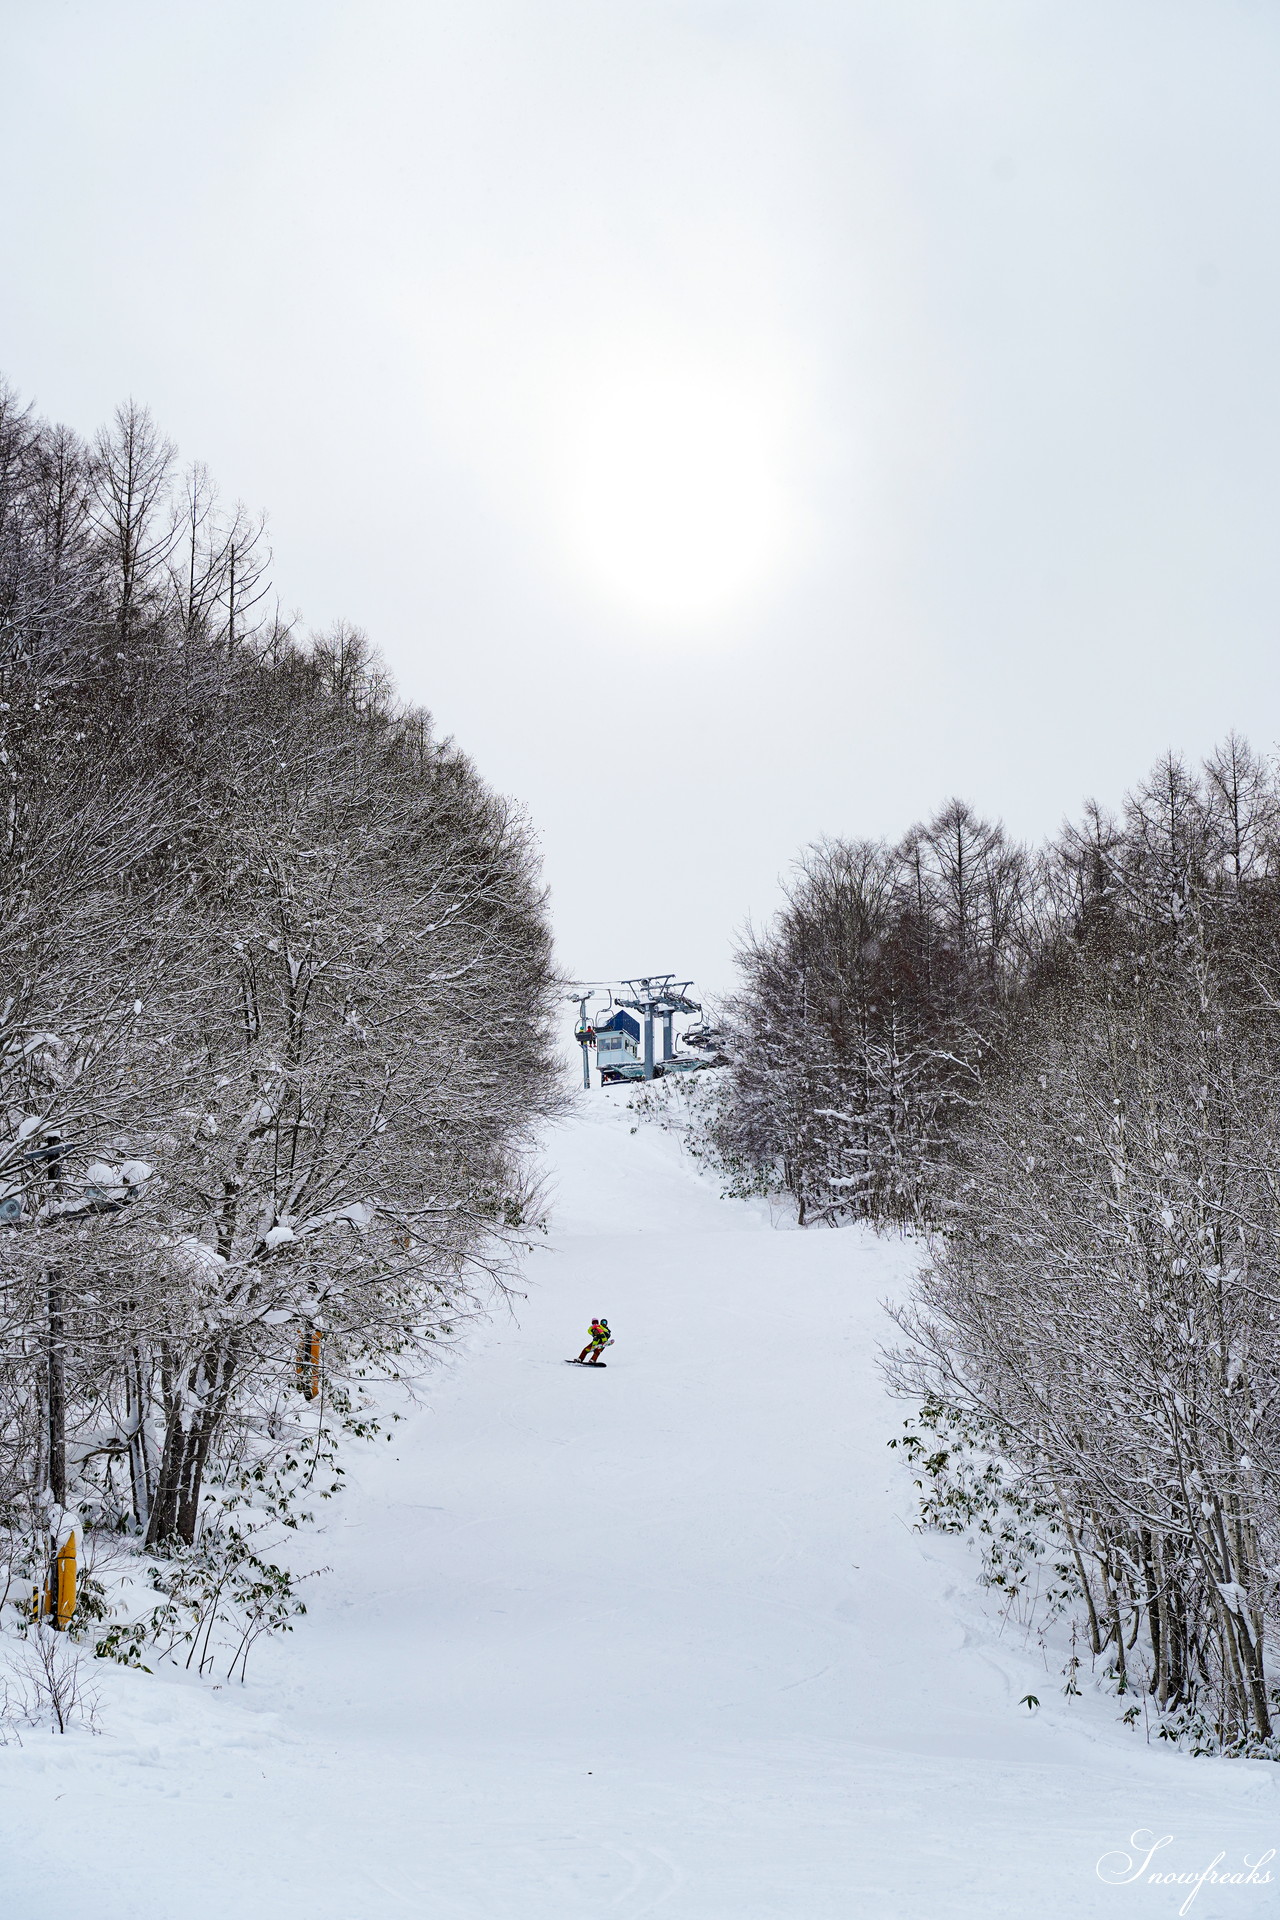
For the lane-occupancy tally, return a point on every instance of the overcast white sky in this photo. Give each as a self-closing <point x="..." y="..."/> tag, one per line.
<point x="737" y="421"/>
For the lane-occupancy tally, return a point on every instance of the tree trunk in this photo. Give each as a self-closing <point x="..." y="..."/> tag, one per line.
<point x="175" y="1515"/>
<point x="163" y="1522"/>
<point x="57" y="1385"/>
<point x="139" y="1456"/>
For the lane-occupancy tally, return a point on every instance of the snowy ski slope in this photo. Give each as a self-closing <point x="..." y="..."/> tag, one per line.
<point x="662" y="1643"/>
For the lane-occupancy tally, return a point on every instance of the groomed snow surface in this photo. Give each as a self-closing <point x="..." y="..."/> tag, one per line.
<point x="659" y="1641"/>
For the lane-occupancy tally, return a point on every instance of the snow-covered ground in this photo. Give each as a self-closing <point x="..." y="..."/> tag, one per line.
<point x="663" y="1643"/>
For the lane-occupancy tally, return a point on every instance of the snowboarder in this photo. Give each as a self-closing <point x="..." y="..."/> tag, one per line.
<point x="599" y="1340"/>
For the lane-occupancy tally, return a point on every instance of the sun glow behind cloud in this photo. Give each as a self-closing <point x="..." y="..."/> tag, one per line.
<point x="675" y="493"/>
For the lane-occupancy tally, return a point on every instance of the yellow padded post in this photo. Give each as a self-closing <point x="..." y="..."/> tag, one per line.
<point x="308" y="1362"/>
<point x="65" y="1581"/>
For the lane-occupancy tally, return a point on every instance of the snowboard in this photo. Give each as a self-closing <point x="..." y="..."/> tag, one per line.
<point x="586" y="1363"/>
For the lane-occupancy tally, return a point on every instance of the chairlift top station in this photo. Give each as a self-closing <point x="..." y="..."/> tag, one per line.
<point x="615" y="1033"/>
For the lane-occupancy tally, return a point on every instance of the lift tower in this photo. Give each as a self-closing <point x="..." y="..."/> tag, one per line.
<point x="658" y="996"/>
<point x="584" y="1030"/>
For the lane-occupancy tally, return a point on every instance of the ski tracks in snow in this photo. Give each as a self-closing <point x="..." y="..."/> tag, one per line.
<point x="664" y="1643"/>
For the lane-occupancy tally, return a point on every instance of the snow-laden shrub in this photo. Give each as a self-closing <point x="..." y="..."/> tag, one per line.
<point x="693" y="1107"/>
